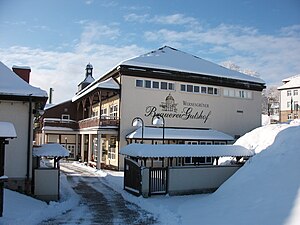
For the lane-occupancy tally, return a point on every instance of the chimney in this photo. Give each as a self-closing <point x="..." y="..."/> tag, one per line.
<point x="23" y="72"/>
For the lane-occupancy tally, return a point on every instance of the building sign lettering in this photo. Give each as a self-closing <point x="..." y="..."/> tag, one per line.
<point x="169" y="110"/>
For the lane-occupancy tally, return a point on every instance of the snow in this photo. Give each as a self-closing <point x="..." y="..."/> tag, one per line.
<point x="266" y="190"/>
<point x="178" y="133"/>
<point x="57" y="128"/>
<point x="12" y="84"/>
<point x="174" y="150"/>
<point x="51" y="150"/>
<point x="292" y="83"/>
<point x="7" y="130"/>
<point x="107" y="84"/>
<point x="21" y="67"/>
<point x="168" y="58"/>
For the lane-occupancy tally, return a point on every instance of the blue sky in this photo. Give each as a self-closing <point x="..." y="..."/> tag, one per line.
<point x="58" y="38"/>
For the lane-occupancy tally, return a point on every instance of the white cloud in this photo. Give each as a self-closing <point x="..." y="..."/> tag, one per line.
<point x="63" y="71"/>
<point x="174" y="19"/>
<point x="273" y="56"/>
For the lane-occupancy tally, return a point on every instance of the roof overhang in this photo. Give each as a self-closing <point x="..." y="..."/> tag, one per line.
<point x="156" y="133"/>
<point x="7" y="130"/>
<point x="50" y="150"/>
<point x="155" y="151"/>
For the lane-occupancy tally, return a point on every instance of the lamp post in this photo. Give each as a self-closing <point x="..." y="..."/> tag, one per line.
<point x="138" y="122"/>
<point x="159" y="120"/>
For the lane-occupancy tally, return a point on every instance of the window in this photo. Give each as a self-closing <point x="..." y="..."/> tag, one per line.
<point x="296" y="105"/>
<point x="295" y="116"/>
<point x="289" y="93"/>
<point x="65" y="117"/>
<point x="203" y="90"/>
<point x="226" y="92"/>
<point x="139" y="83"/>
<point x="295" y="92"/>
<point x="241" y="94"/>
<point x="171" y="86"/>
<point x="189" y="88"/>
<point x="196" y="89"/>
<point x="104" y="112"/>
<point x="210" y="90"/>
<point x="182" y="87"/>
<point x="147" y="84"/>
<point x="155" y="84"/>
<point x="113" y="111"/>
<point x="289" y="116"/>
<point x="216" y="92"/>
<point x="112" y="148"/>
<point x="164" y="85"/>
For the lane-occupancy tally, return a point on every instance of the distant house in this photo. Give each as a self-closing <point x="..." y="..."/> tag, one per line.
<point x="59" y="125"/>
<point x="202" y="103"/>
<point x="19" y="103"/>
<point x="290" y="98"/>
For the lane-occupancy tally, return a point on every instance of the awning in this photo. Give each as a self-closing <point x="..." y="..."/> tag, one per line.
<point x="179" y="134"/>
<point x="50" y="150"/>
<point x="173" y="150"/>
<point x="7" y="130"/>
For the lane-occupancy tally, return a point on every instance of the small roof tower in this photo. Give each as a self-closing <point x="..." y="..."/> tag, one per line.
<point x="88" y="77"/>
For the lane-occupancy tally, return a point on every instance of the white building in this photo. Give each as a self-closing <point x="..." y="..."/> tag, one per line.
<point x="201" y="103"/>
<point x="290" y="98"/>
<point x="19" y="101"/>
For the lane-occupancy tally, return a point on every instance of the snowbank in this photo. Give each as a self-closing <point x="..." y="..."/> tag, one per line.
<point x="265" y="191"/>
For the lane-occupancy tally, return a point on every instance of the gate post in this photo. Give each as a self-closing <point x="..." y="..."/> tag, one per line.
<point x="145" y="182"/>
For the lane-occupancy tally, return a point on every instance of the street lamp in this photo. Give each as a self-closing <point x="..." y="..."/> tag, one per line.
<point x="158" y="120"/>
<point x="138" y="122"/>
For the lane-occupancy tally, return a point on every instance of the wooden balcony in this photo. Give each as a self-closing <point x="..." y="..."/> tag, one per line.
<point x="97" y="122"/>
<point x="53" y="122"/>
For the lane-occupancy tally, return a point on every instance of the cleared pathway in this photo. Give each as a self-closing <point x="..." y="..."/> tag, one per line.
<point x="99" y="204"/>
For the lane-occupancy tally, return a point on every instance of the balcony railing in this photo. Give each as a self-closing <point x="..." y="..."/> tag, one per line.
<point x="55" y="122"/>
<point x="97" y="122"/>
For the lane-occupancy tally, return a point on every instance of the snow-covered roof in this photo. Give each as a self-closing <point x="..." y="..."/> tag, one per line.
<point x="168" y="58"/>
<point x="179" y="134"/>
<point x="293" y="82"/>
<point x="12" y="84"/>
<point x="152" y="151"/>
<point x="52" y="128"/>
<point x="107" y="84"/>
<point x="7" y="130"/>
<point x="51" y="150"/>
<point x="289" y="78"/>
<point x="21" y="67"/>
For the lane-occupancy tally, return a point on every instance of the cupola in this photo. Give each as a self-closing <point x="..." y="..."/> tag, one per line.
<point x="88" y="77"/>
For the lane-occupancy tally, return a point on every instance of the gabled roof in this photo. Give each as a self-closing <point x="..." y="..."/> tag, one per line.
<point x="168" y="58"/>
<point x="12" y="85"/>
<point x="153" y="151"/>
<point x="293" y="82"/>
<point x="107" y="84"/>
<point x="179" y="134"/>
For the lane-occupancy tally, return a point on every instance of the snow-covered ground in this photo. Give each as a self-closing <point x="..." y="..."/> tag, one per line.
<point x="265" y="191"/>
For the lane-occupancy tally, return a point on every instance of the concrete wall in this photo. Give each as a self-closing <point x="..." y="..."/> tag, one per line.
<point x="188" y="180"/>
<point x="16" y="150"/>
<point x="223" y="112"/>
<point x="46" y="184"/>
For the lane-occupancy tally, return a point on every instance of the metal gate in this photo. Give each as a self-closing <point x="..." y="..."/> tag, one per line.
<point x="158" y="181"/>
<point x="132" y="177"/>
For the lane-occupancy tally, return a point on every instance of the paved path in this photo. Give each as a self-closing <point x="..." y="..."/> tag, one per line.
<point x="99" y="204"/>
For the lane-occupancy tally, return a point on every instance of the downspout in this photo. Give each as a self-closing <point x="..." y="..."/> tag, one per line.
<point x="29" y="143"/>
